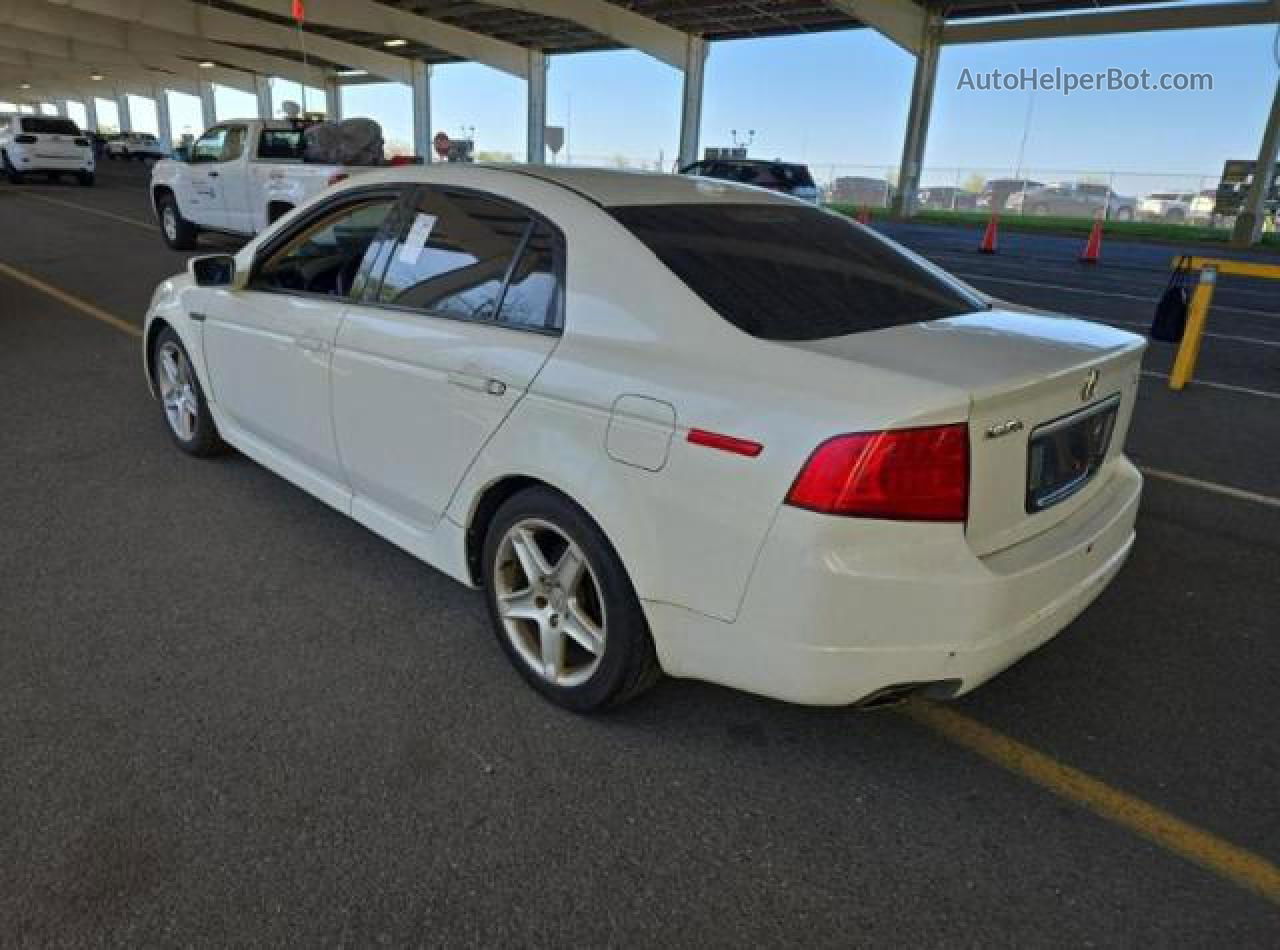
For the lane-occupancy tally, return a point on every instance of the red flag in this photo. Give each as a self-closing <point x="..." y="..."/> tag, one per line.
<point x="299" y="11"/>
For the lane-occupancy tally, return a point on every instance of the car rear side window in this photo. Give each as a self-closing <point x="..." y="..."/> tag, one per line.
<point x="474" y="257"/>
<point x="784" y="272"/>
<point x="38" y="125"/>
<point x="281" y="145"/>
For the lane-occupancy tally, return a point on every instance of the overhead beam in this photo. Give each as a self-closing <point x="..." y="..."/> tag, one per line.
<point x="138" y="82"/>
<point x="617" y="23"/>
<point x="384" y="22"/>
<point x="49" y="29"/>
<point x="15" y="46"/>
<point x="186" y="18"/>
<point x="1195" y="17"/>
<point x="902" y="21"/>
<point x="83" y="59"/>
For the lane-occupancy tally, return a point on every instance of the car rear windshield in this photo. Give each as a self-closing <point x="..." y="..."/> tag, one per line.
<point x="783" y="272"/>
<point x="38" y="125"/>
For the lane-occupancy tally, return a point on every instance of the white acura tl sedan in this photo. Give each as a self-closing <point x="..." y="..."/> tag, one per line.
<point x="669" y="424"/>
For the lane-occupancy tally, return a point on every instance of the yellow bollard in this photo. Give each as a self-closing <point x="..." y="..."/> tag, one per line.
<point x="1189" y="350"/>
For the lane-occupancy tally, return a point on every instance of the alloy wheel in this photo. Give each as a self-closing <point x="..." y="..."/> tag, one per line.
<point x="178" y="391"/>
<point x="548" y="598"/>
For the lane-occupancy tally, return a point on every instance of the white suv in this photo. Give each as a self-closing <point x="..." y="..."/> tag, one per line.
<point x="44" y="144"/>
<point x="139" y="145"/>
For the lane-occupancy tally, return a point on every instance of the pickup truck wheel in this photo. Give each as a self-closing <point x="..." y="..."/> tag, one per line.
<point x="85" y="178"/>
<point x="179" y="233"/>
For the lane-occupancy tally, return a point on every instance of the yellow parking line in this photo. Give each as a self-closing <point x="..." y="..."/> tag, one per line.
<point x="136" y="222"/>
<point x="88" y="309"/>
<point x="1234" y="863"/>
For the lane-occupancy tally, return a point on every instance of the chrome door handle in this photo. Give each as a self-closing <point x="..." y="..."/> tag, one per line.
<point x="480" y="384"/>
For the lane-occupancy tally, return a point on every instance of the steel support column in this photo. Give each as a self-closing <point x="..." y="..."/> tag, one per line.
<point x="904" y="202"/>
<point x="696" y="50"/>
<point x="122" y="107"/>
<point x="1248" y="226"/>
<point x="332" y="100"/>
<point x="91" y="113"/>
<point x="262" y="87"/>
<point x="422" y="110"/>
<point x="536" y="152"/>
<point x="164" y="125"/>
<point x="208" y="106"/>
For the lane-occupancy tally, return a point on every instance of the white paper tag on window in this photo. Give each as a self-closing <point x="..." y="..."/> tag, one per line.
<point x="417" y="239"/>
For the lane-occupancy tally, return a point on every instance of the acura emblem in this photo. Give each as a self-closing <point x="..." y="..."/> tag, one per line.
<point x="1090" y="384"/>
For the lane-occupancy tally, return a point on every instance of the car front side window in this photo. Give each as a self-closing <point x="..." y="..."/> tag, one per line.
<point x="456" y="255"/>
<point x="325" y="254"/>
<point x="208" y="147"/>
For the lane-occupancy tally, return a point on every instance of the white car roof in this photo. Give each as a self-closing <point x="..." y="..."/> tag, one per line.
<point x="604" y="186"/>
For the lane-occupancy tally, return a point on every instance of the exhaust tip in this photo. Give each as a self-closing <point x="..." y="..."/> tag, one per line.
<point x="899" y="693"/>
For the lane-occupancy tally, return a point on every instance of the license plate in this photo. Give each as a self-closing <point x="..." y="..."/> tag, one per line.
<point x="1063" y="455"/>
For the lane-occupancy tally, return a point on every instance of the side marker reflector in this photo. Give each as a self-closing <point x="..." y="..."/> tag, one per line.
<point x="725" y="443"/>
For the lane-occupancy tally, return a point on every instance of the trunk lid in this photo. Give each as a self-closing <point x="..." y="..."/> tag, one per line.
<point x="1030" y="378"/>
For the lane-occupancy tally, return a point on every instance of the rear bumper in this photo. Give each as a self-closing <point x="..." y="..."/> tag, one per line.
<point x="838" y="610"/>
<point x="28" y="161"/>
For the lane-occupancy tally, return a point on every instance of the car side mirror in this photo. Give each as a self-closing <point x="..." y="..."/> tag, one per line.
<point x="213" y="270"/>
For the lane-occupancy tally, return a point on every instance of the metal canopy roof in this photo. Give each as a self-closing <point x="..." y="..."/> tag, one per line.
<point x="711" y="19"/>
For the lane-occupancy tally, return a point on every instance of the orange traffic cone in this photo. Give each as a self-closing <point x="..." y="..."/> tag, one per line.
<point x="988" y="245"/>
<point x="1093" y="247"/>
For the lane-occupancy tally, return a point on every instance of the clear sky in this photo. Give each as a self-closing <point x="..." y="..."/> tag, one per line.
<point x="840" y="99"/>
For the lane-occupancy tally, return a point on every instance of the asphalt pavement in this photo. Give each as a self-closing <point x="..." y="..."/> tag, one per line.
<point x="229" y="715"/>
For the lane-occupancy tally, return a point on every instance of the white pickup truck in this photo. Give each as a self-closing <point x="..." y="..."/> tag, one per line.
<point x="237" y="178"/>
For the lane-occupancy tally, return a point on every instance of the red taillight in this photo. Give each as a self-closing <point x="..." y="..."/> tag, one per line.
<point x="337" y="177"/>
<point x="902" y="474"/>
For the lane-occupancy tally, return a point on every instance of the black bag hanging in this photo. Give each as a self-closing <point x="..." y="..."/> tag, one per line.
<point x="1171" y="312"/>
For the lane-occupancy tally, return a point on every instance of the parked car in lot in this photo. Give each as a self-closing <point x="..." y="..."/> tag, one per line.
<point x="860" y="190"/>
<point x="135" y="145"/>
<point x="237" y="178"/>
<point x="947" y="198"/>
<point x="1171" y="206"/>
<point x="790" y="178"/>
<point x="44" y="145"/>
<point x="1072" y="200"/>
<point x="712" y="432"/>
<point x="995" y="193"/>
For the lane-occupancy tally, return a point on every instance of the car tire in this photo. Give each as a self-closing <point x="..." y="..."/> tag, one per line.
<point x="562" y="605"/>
<point x="179" y="233"/>
<point x="86" y="179"/>
<point x="15" y="177"/>
<point x="182" y="400"/>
